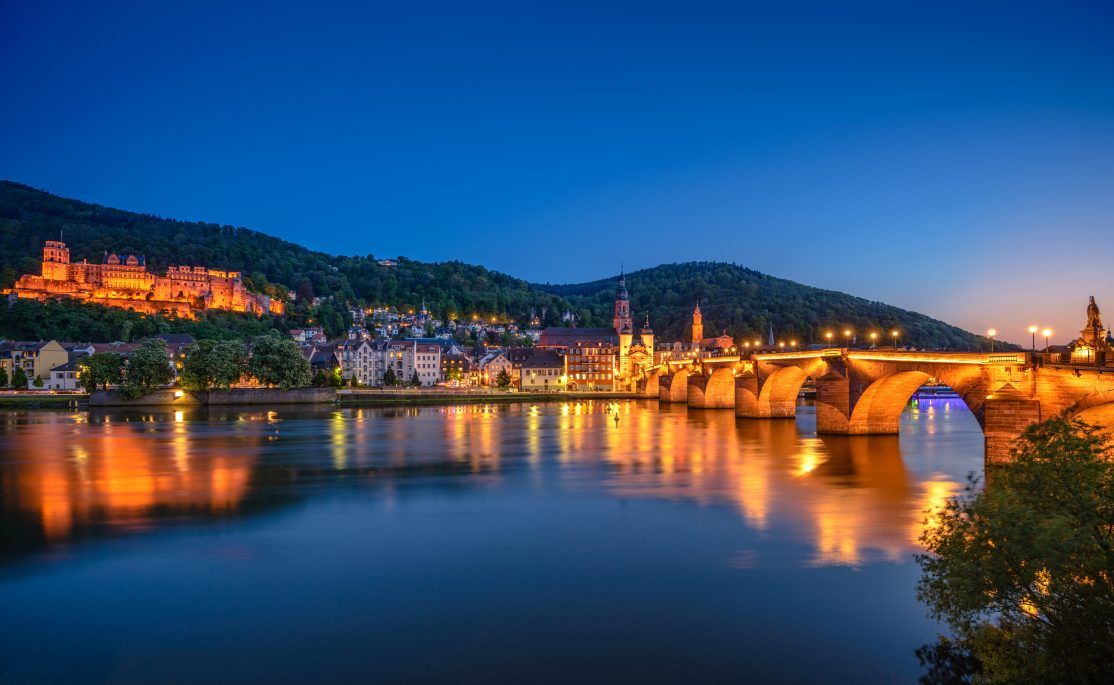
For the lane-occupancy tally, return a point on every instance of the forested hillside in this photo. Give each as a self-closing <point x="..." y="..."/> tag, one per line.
<point x="746" y="303"/>
<point x="29" y="216"/>
<point x="739" y="300"/>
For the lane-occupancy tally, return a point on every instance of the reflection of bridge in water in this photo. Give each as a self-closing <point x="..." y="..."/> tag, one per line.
<point x="863" y="392"/>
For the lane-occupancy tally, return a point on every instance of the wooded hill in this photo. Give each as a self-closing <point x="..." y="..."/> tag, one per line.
<point x="742" y="301"/>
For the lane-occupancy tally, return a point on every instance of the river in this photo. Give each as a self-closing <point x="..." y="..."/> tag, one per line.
<point x="510" y="543"/>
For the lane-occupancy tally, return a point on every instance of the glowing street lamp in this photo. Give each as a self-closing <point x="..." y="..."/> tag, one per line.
<point x="990" y="333"/>
<point x="1047" y="333"/>
<point x="781" y="344"/>
<point x="828" y="335"/>
<point x="792" y="343"/>
<point x="873" y="338"/>
<point x="894" y="333"/>
<point x="1033" y="332"/>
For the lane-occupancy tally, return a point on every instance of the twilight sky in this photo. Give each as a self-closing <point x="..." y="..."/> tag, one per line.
<point x="956" y="159"/>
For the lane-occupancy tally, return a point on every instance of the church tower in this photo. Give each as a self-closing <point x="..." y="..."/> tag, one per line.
<point x="648" y="339"/>
<point x="622" y="320"/>
<point x="623" y="326"/>
<point x="697" y="325"/>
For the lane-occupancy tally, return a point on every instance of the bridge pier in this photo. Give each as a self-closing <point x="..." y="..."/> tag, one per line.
<point x="1005" y="418"/>
<point x="716" y="391"/>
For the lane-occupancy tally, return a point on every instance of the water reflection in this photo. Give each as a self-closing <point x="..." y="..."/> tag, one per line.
<point x="848" y="500"/>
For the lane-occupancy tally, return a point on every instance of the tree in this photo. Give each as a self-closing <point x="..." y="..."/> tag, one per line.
<point x="212" y="364"/>
<point x="389" y="377"/>
<point x="102" y="368"/>
<point x="415" y="380"/>
<point x="38" y="382"/>
<point x="503" y="379"/>
<point x="197" y="367"/>
<point x="335" y="379"/>
<point x="319" y="378"/>
<point x="3" y="378"/>
<point x="278" y="361"/>
<point x="19" y="378"/>
<point x="147" y="369"/>
<point x="1023" y="571"/>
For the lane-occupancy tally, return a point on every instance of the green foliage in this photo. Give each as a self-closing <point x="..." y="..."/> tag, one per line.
<point x="1023" y="572"/>
<point x="335" y="379"/>
<point x="743" y="302"/>
<point x="389" y="378"/>
<point x="38" y="382"/>
<point x="213" y="364"/>
<point x="19" y="378"/>
<point x="148" y="368"/>
<point x="278" y="361"/>
<point x="319" y="378"/>
<point x="3" y="378"/>
<point x="101" y="369"/>
<point x="415" y="380"/>
<point x="503" y="379"/>
<point x="28" y="217"/>
<point x="746" y="303"/>
<point x="65" y="319"/>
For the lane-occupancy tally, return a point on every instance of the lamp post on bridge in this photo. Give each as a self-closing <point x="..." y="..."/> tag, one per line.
<point x="873" y="339"/>
<point x="1047" y="333"/>
<point x="990" y="334"/>
<point x="894" y="333"/>
<point x="1033" y="332"/>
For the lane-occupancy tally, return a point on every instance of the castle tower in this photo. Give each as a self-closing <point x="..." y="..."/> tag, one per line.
<point x="648" y="339"/>
<point x="697" y="325"/>
<point x="622" y="320"/>
<point x="56" y="261"/>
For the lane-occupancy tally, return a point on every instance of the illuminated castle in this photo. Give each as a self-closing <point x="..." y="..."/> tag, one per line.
<point x="124" y="282"/>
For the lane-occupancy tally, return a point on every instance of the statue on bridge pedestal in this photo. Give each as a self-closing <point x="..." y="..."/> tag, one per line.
<point x="1094" y="318"/>
<point x="1092" y="338"/>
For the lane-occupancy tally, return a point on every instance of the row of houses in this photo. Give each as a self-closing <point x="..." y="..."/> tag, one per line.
<point x="54" y="365"/>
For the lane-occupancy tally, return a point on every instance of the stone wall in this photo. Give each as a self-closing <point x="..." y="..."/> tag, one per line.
<point x="174" y="397"/>
<point x="270" y="396"/>
<point x="168" y="397"/>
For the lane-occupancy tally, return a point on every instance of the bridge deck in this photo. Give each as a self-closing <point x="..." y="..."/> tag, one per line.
<point x="1021" y="358"/>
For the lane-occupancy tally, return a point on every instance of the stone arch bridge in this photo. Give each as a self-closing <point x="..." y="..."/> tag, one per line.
<point x="863" y="392"/>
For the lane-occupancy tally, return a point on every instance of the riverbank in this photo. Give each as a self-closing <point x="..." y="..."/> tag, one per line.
<point x="43" y="400"/>
<point x="171" y="397"/>
<point x="412" y="397"/>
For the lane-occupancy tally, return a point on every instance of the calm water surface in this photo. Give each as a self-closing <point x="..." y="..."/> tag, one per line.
<point x="519" y="543"/>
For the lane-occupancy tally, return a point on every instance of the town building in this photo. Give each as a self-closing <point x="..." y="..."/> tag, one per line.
<point x="543" y="372"/>
<point x="458" y="369"/>
<point x="66" y="376"/>
<point x="603" y="358"/>
<point x="124" y="282"/>
<point x="369" y="360"/>
<point x="35" y="359"/>
<point x="492" y="363"/>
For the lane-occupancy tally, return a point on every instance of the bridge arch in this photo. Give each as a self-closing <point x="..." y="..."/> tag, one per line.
<point x="1096" y="409"/>
<point x="679" y="386"/>
<point x="878" y="411"/>
<point x="778" y="395"/>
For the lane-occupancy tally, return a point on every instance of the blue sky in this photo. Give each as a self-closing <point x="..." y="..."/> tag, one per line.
<point x="957" y="159"/>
